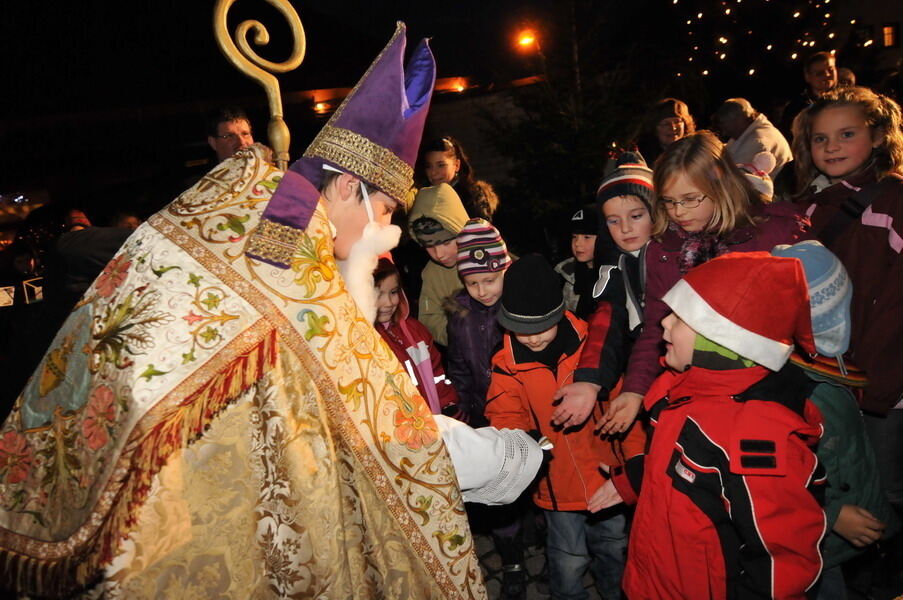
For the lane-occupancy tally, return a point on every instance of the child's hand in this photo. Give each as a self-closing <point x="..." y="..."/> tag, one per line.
<point x="858" y="526"/>
<point x="575" y="408"/>
<point x="607" y="495"/>
<point x="620" y="413"/>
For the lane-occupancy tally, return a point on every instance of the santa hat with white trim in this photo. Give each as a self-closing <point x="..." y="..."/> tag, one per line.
<point x="750" y="302"/>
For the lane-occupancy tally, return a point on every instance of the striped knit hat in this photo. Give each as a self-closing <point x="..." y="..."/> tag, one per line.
<point x="481" y="249"/>
<point x="631" y="177"/>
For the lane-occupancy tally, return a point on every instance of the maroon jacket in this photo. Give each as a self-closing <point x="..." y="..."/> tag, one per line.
<point x="403" y="336"/>
<point x="870" y="249"/>
<point x="729" y="494"/>
<point x="781" y="224"/>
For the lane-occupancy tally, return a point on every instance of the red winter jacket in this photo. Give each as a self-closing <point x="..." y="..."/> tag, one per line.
<point x="871" y="249"/>
<point x="729" y="500"/>
<point x="408" y="338"/>
<point x="781" y="224"/>
<point x="520" y="397"/>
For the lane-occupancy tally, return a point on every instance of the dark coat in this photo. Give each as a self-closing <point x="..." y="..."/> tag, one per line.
<point x="871" y="249"/>
<point x="474" y="336"/>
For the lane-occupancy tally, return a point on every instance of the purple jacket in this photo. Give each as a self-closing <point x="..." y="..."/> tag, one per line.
<point x="474" y="336"/>
<point x="782" y="224"/>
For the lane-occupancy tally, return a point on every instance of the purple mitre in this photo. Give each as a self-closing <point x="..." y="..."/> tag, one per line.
<point x="374" y="135"/>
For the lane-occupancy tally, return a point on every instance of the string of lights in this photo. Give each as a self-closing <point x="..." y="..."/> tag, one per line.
<point x="747" y="36"/>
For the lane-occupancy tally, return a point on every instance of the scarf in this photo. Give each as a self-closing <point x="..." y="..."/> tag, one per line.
<point x="697" y="247"/>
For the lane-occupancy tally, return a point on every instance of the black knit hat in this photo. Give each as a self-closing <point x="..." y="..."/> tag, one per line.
<point x="585" y="221"/>
<point x="531" y="297"/>
<point x="631" y="178"/>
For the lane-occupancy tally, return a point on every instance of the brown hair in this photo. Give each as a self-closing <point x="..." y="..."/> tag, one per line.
<point x="701" y="157"/>
<point x="882" y="116"/>
<point x="671" y="107"/>
<point x="384" y="269"/>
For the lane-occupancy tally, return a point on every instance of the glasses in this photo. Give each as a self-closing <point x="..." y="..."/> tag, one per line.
<point x="688" y="203"/>
<point x="234" y="136"/>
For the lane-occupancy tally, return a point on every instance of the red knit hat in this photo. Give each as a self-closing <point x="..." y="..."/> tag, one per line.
<point x="750" y="302"/>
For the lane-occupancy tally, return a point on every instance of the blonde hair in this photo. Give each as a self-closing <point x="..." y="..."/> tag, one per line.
<point x="701" y="157"/>
<point x="880" y="112"/>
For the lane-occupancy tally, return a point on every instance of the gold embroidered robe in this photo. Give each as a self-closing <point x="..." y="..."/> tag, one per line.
<point x="206" y="425"/>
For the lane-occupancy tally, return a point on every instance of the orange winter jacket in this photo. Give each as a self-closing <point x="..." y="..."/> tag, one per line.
<point x="520" y="397"/>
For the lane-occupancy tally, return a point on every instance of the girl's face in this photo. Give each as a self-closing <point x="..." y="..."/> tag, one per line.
<point x="670" y="130"/>
<point x="485" y="288"/>
<point x="679" y="342"/>
<point x="695" y="211"/>
<point x="629" y="222"/>
<point x="841" y="141"/>
<point x="582" y="247"/>
<point x="537" y="342"/>
<point x="441" y="167"/>
<point x="388" y="295"/>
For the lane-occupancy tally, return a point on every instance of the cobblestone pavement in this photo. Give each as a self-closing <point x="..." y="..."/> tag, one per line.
<point x="537" y="584"/>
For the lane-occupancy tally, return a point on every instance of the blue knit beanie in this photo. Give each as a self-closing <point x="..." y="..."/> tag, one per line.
<point x="830" y="294"/>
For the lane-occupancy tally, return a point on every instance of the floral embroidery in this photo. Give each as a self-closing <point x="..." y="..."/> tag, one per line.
<point x="113" y="275"/>
<point x="313" y="262"/>
<point x="100" y="415"/>
<point x="15" y="457"/>
<point x="415" y="428"/>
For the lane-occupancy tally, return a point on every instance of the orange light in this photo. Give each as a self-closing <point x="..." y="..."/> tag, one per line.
<point x="526" y="38"/>
<point x="321" y="107"/>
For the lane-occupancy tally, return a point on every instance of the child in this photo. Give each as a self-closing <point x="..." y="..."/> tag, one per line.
<point x="624" y="200"/>
<point x="473" y="334"/>
<point x="704" y="208"/>
<point x="849" y="154"/>
<point x="728" y="506"/>
<point x="435" y="220"/>
<point x="577" y="271"/>
<point x="856" y="508"/>
<point x="443" y="161"/>
<point x="410" y="341"/>
<point x="540" y="351"/>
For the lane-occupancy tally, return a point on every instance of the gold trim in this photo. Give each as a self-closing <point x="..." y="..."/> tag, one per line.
<point x="369" y="161"/>
<point x="274" y="242"/>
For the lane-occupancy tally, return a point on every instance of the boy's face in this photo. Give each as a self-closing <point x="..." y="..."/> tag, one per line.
<point x="628" y="221"/>
<point x="582" y="246"/>
<point x="485" y="288"/>
<point x="446" y="253"/>
<point x="538" y="342"/>
<point x="679" y="342"/>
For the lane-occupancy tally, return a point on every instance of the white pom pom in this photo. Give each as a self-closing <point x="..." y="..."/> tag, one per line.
<point x="764" y="161"/>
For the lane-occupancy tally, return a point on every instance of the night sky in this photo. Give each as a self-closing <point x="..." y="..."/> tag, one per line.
<point x="114" y="92"/>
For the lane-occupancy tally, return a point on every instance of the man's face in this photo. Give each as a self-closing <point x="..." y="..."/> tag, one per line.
<point x="821" y="76"/>
<point x="231" y="136"/>
<point x="348" y="214"/>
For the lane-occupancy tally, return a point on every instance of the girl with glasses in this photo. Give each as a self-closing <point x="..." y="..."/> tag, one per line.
<point x="704" y="207"/>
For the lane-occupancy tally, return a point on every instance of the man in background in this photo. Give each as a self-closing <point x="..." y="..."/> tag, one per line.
<point x="228" y="131"/>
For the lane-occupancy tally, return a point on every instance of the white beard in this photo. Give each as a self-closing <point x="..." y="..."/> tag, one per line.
<point x="357" y="269"/>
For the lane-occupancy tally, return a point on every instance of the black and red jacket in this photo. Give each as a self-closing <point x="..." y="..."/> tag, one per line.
<point x="728" y="495"/>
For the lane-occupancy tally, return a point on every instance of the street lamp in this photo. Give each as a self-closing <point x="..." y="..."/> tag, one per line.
<point x="526" y="38"/>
